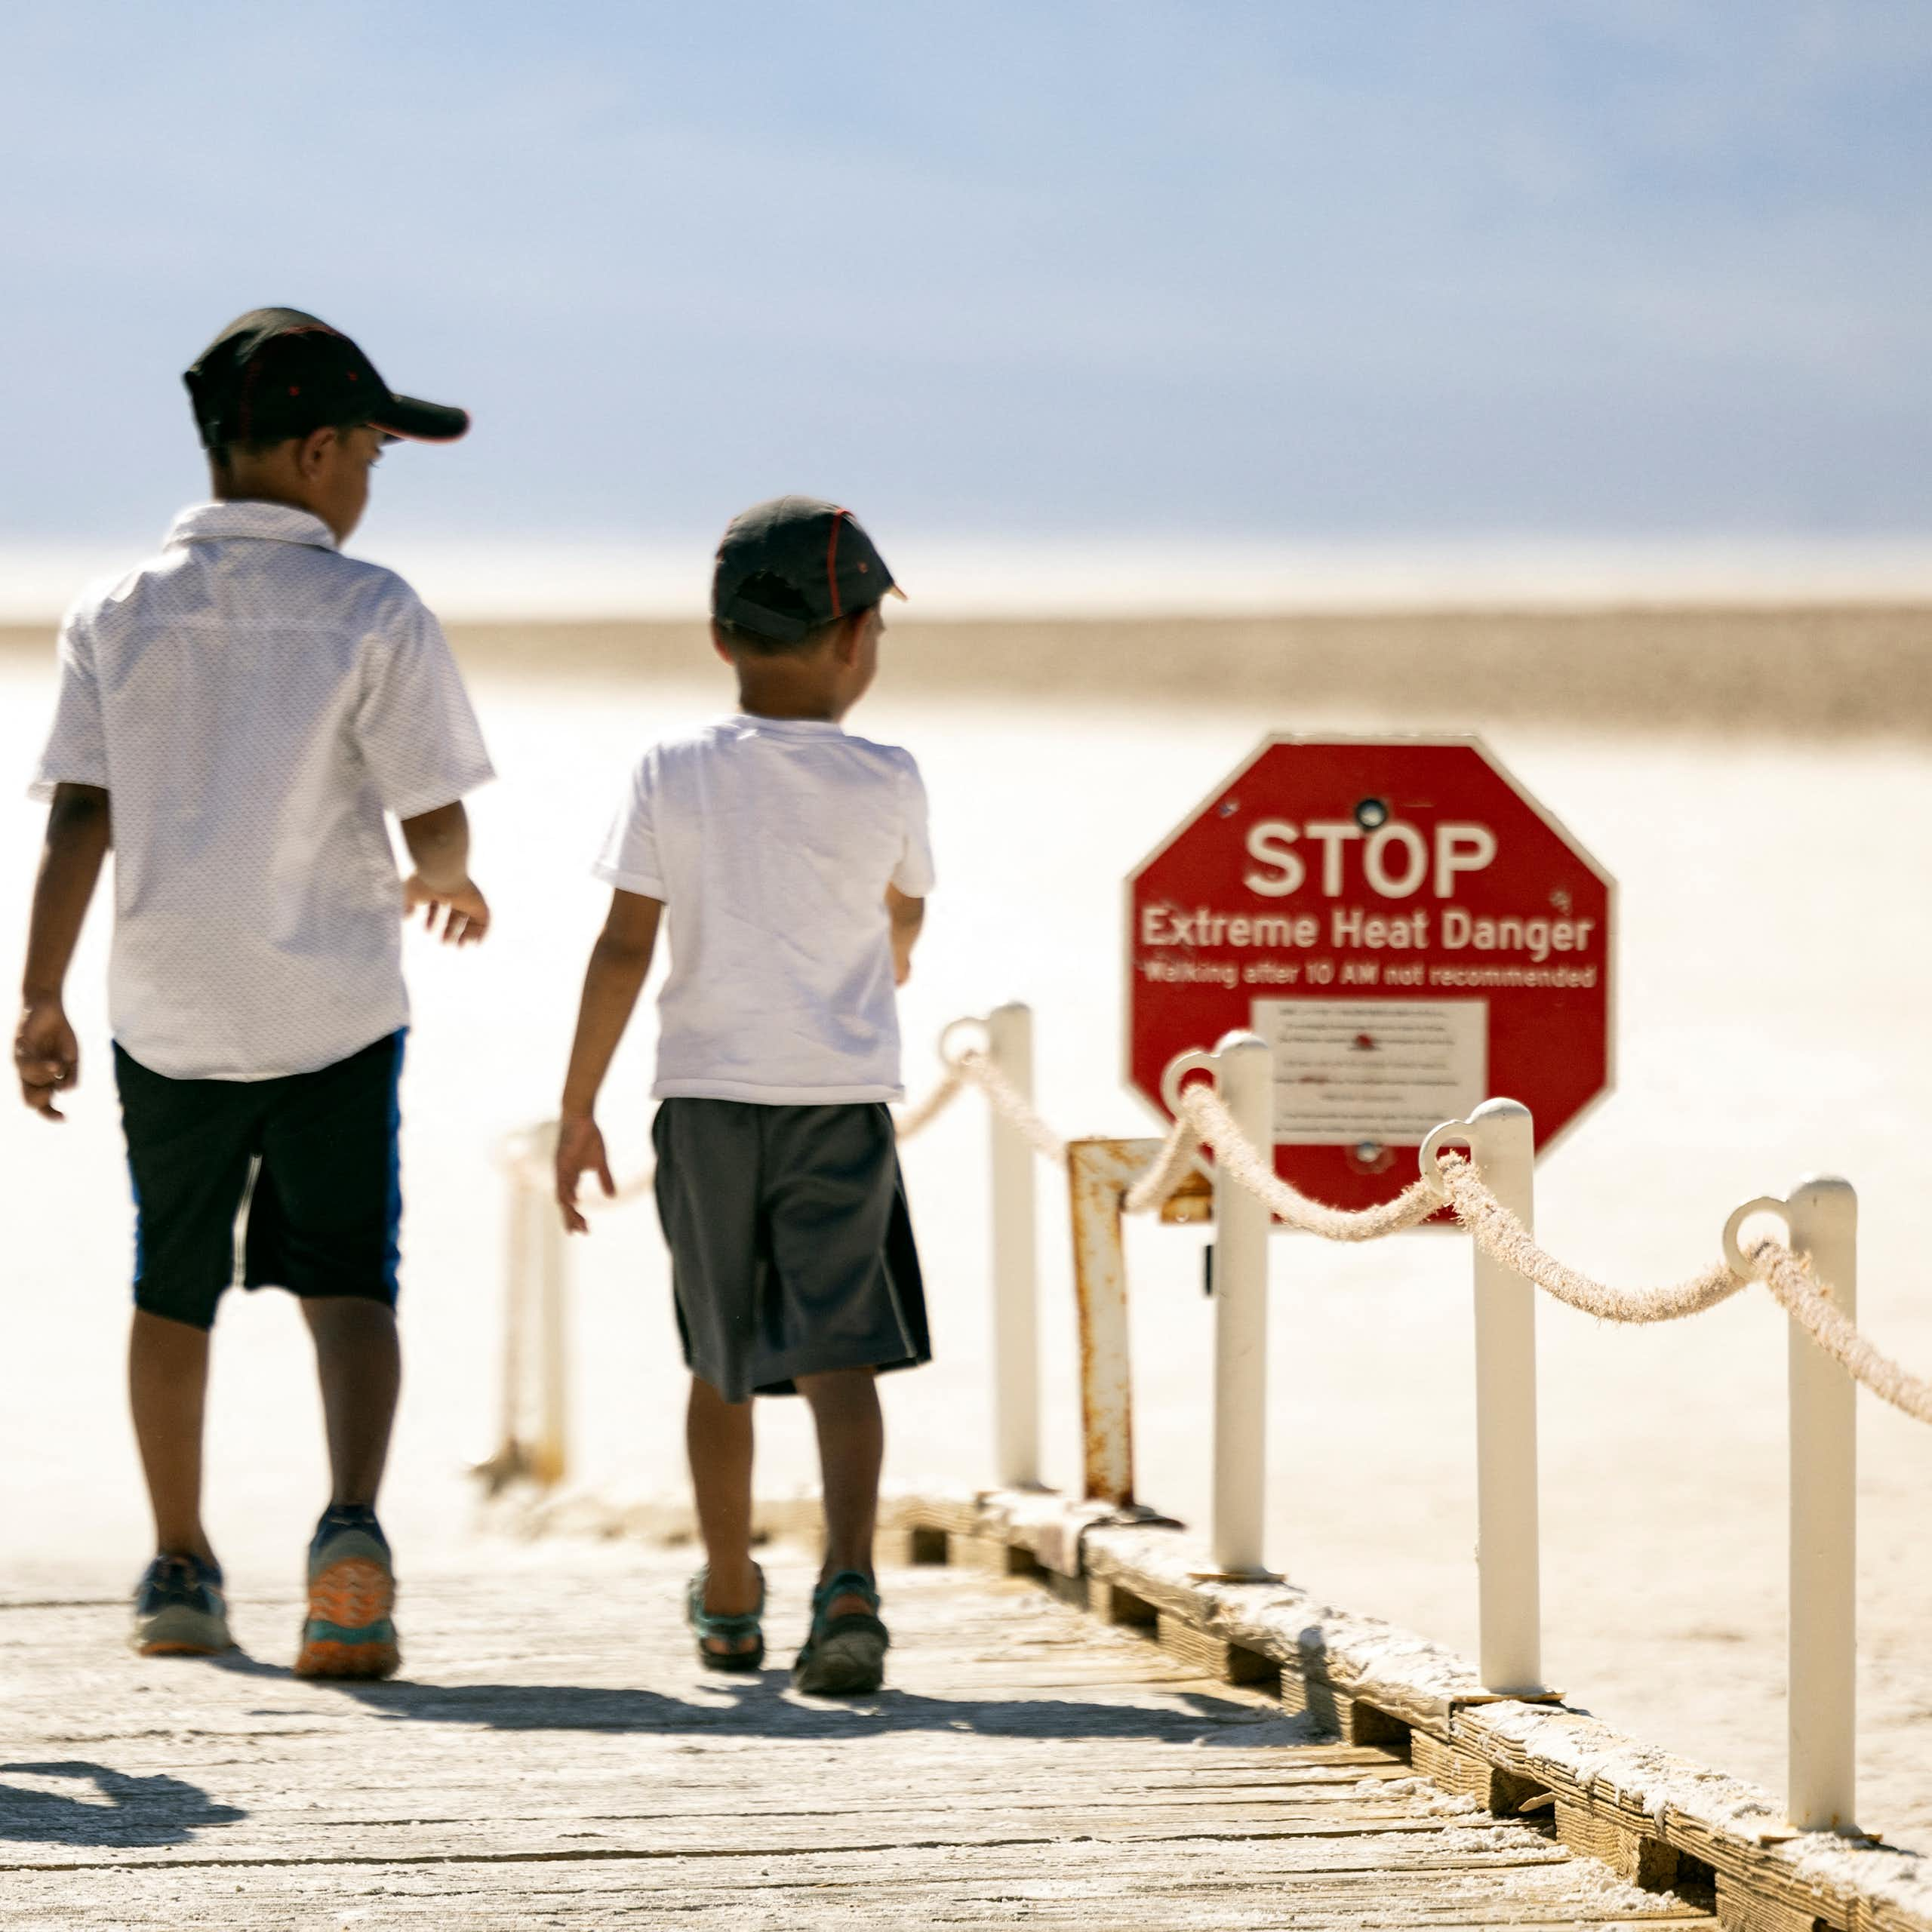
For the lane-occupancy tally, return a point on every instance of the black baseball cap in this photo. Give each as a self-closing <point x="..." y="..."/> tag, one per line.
<point x="277" y="373"/>
<point x="789" y="566"/>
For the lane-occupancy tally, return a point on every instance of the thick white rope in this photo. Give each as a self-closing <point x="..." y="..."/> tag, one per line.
<point x="1208" y="1114"/>
<point x="1204" y="1117"/>
<point x="976" y="1064"/>
<point x="1797" y="1291"/>
<point x="1503" y="1237"/>
<point x="912" y="1119"/>
<point x="527" y="1155"/>
<point x="643" y="1181"/>
<point x="1172" y="1165"/>
<point x="1788" y="1277"/>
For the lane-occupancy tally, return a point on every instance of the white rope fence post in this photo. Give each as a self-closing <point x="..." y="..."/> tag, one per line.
<point x="521" y="1241"/>
<point x="550" y="1461"/>
<point x="1822" y="1784"/>
<point x="1822" y="1774"/>
<point x="1244" y="1078"/>
<point x="1813" y="1280"/>
<point x="1016" y="1251"/>
<point x="536" y="1322"/>
<point x="1501" y="1137"/>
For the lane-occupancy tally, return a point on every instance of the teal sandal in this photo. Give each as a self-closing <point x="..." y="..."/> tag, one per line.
<point x="734" y="1629"/>
<point x="845" y="1655"/>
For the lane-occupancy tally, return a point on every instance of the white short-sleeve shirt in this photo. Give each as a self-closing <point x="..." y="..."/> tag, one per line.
<point x="254" y="701"/>
<point x="771" y="842"/>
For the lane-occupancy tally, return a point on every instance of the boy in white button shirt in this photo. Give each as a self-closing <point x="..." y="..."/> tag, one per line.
<point x="791" y="860"/>
<point x="235" y="716"/>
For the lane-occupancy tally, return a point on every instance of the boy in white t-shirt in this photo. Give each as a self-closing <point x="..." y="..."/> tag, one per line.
<point x="238" y="718"/>
<point x="793" y="863"/>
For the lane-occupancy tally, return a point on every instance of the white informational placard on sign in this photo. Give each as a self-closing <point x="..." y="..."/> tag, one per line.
<point x="1348" y="1071"/>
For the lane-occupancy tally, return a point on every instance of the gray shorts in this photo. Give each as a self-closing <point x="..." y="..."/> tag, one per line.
<point x="791" y="1245"/>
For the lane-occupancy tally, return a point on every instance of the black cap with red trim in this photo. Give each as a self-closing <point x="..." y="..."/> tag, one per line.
<point x="790" y="565"/>
<point x="277" y="373"/>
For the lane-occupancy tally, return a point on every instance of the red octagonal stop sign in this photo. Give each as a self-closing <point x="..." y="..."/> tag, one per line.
<point x="1410" y="932"/>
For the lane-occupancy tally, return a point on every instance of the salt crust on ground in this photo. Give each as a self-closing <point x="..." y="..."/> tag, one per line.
<point x="1414" y="1679"/>
<point x="1740" y="1065"/>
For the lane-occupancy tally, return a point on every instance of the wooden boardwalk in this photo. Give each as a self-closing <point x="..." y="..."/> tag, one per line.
<point x="556" y="1758"/>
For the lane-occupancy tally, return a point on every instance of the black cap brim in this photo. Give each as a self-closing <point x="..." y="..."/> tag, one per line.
<point x="420" y="422"/>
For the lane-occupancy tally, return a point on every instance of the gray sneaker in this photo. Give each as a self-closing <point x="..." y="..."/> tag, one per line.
<point x="844" y="1656"/>
<point x="180" y="1611"/>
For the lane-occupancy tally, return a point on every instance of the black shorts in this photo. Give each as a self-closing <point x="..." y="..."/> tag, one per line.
<point x="292" y="1183"/>
<point x="790" y="1243"/>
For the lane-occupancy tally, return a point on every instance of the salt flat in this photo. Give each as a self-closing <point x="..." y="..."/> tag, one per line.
<point x="1775" y="934"/>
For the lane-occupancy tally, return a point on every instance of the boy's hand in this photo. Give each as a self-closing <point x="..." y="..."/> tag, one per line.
<point x="464" y="911"/>
<point x="580" y="1152"/>
<point x="46" y="1056"/>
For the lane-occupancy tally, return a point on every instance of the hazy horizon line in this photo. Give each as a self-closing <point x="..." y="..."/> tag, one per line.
<point x="488" y="578"/>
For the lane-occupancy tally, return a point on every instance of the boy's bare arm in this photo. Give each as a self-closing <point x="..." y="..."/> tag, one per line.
<point x="908" y="916"/>
<point x="46" y="1055"/>
<point x="619" y="963"/>
<point x="438" y="844"/>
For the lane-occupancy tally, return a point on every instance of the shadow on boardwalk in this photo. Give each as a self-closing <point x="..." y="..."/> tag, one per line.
<point x="123" y="1813"/>
<point x="758" y="1706"/>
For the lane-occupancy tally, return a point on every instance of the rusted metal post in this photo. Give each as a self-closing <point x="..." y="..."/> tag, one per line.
<point x="1822" y="1779"/>
<point x="1245" y="1073"/>
<point x="1501" y="1138"/>
<point x="1015" y="1318"/>
<point x="1098" y="1174"/>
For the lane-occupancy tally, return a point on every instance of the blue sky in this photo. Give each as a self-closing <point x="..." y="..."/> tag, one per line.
<point x="1275" y="271"/>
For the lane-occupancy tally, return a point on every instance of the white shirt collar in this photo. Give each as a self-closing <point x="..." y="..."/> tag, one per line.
<point x="279" y="523"/>
<point x="786" y="727"/>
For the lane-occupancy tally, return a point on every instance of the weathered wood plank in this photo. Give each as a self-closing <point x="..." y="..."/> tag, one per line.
<point x="992" y="1554"/>
<point x="1062" y="1890"/>
<point x="558" y="1758"/>
<point x="1722" y="1824"/>
<point x="1469" y="1775"/>
<point x="1215" y="1656"/>
<point x="1743" y="1911"/>
<point x="1644" y="1859"/>
<point x="1111" y="1603"/>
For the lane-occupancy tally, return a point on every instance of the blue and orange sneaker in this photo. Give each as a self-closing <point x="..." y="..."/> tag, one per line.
<point x="350" y="1631"/>
<point x="180" y="1611"/>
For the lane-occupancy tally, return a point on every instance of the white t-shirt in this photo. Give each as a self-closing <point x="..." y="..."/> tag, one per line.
<point x="770" y="841"/>
<point x="253" y="700"/>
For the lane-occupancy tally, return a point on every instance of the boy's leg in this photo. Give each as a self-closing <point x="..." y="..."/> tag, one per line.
<point x="323" y="1222"/>
<point x="851" y="1448"/>
<point x="350" y="1628"/>
<point x="168" y="1376"/>
<point x="718" y="1438"/>
<point x="178" y="1608"/>
<point x="358" y="1362"/>
<point x="189" y="1147"/>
